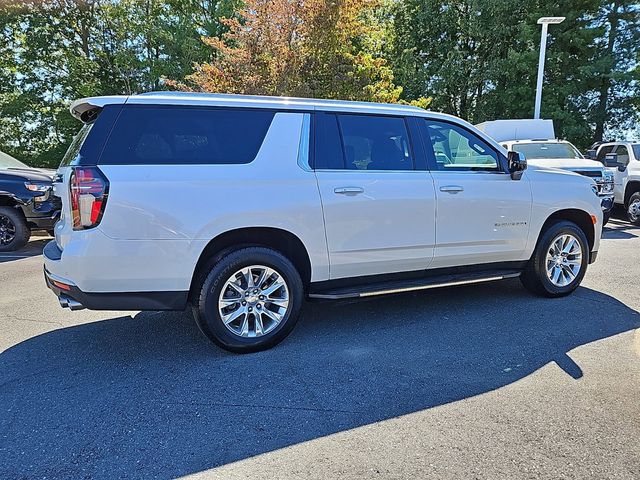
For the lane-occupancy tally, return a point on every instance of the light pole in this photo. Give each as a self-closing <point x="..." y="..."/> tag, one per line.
<point x="544" y="21"/>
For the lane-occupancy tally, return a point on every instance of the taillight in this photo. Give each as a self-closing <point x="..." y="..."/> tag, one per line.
<point x="89" y="189"/>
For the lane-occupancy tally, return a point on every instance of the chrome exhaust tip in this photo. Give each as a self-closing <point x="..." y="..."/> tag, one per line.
<point x="70" y="303"/>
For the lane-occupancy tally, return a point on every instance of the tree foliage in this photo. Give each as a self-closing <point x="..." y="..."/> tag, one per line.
<point x="310" y="48"/>
<point x="478" y="59"/>
<point x="473" y="58"/>
<point x="54" y="51"/>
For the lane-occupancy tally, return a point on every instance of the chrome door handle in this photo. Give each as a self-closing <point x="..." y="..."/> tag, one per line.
<point x="453" y="189"/>
<point x="348" y="190"/>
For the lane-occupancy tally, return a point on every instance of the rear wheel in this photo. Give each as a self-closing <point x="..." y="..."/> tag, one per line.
<point x="14" y="231"/>
<point x="559" y="262"/>
<point x="633" y="209"/>
<point x="249" y="300"/>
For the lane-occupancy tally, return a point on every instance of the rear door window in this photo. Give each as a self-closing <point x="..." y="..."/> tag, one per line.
<point x="375" y="143"/>
<point x="328" y="146"/>
<point x="145" y="135"/>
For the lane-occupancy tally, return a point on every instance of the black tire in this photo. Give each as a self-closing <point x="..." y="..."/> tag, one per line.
<point x="633" y="218"/>
<point x="606" y="216"/>
<point x="14" y="231"/>
<point x="535" y="279"/>
<point x="208" y="289"/>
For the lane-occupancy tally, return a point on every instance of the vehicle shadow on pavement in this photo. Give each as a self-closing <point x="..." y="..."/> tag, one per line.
<point x="620" y="230"/>
<point x="32" y="249"/>
<point x="149" y="397"/>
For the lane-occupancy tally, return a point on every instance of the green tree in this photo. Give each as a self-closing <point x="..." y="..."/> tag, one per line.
<point x="478" y="59"/>
<point x="616" y="103"/>
<point x="54" y="51"/>
<point x="315" y="48"/>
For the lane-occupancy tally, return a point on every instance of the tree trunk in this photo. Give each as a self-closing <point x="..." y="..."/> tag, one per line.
<point x="605" y="81"/>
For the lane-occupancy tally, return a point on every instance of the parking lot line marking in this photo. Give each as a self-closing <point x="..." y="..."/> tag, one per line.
<point x="16" y="256"/>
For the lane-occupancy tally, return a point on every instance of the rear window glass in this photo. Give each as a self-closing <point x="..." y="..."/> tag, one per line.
<point x="328" y="147"/>
<point x="86" y="146"/>
<point x="375" y="143"/>
<point x="73" y="152"/>
<point x="179" y="135"/>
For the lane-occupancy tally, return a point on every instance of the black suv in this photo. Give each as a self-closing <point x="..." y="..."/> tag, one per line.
<point x="26" y="202"/>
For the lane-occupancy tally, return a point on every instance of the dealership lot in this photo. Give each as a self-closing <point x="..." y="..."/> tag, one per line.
<point x="482" y="381"/>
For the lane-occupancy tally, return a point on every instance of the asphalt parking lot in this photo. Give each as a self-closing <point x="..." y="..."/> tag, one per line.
<point x="482" y="381"/>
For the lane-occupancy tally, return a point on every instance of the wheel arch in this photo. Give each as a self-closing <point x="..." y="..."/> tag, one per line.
<point x="581" y="218"/>
<point x="282" y="241"/>
<point x="8" y="200"/>
<point x="632" y="187"/>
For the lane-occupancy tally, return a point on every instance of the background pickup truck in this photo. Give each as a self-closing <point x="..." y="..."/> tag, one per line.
<point x="623" y="161"/>
<point x="26" y="202"/>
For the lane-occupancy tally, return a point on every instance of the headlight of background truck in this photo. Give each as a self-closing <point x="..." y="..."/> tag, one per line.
<point x="607" y="182"/>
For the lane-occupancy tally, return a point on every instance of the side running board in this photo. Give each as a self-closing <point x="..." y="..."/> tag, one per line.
<point x="426" y="283"/>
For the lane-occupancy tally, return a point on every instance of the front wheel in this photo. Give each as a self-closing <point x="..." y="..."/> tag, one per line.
<point x="14" y="231"/>
<point x="249" y="300"/>
<point x="559" y="262"/>
<point x="633" y="209"/>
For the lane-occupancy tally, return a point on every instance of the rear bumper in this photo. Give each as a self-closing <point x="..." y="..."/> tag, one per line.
<point x="70" y="296"/>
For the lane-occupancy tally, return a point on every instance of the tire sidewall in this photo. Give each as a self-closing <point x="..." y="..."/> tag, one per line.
<point x="541" y="257"/>
<point x="22" y="229"/>
<point x="207" y="313"/>
<point x="633" y="198"/>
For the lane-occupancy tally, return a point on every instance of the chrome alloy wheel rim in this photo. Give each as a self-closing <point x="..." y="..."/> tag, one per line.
<point x="7" y="230"/>
<point x="253" y="301"/>
<point x="564" y="260"/>
<point x="634" y="211"/>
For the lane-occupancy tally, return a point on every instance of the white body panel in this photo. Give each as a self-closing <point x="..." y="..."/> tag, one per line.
<point x="553" y="190"/>
<point x="159" y="218"/>
<point x="488" y="221"/>
<point x="388" y="227"/>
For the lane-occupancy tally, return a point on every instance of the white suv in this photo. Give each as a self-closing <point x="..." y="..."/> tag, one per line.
<point x="242" y="207"/>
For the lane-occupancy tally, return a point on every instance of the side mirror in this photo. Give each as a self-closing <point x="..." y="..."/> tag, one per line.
<point x="517" y="164"/>
<point x="611" y="160"/>
<point x="592" y="154"/>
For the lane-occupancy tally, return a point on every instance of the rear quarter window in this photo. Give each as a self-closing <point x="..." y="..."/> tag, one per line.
<point x="86" y="146"/>
<point x="145" y="135"/>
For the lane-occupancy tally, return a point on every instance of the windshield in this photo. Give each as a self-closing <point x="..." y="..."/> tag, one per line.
<point x="7" y="161"/>
<point x="547" y="150"/>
